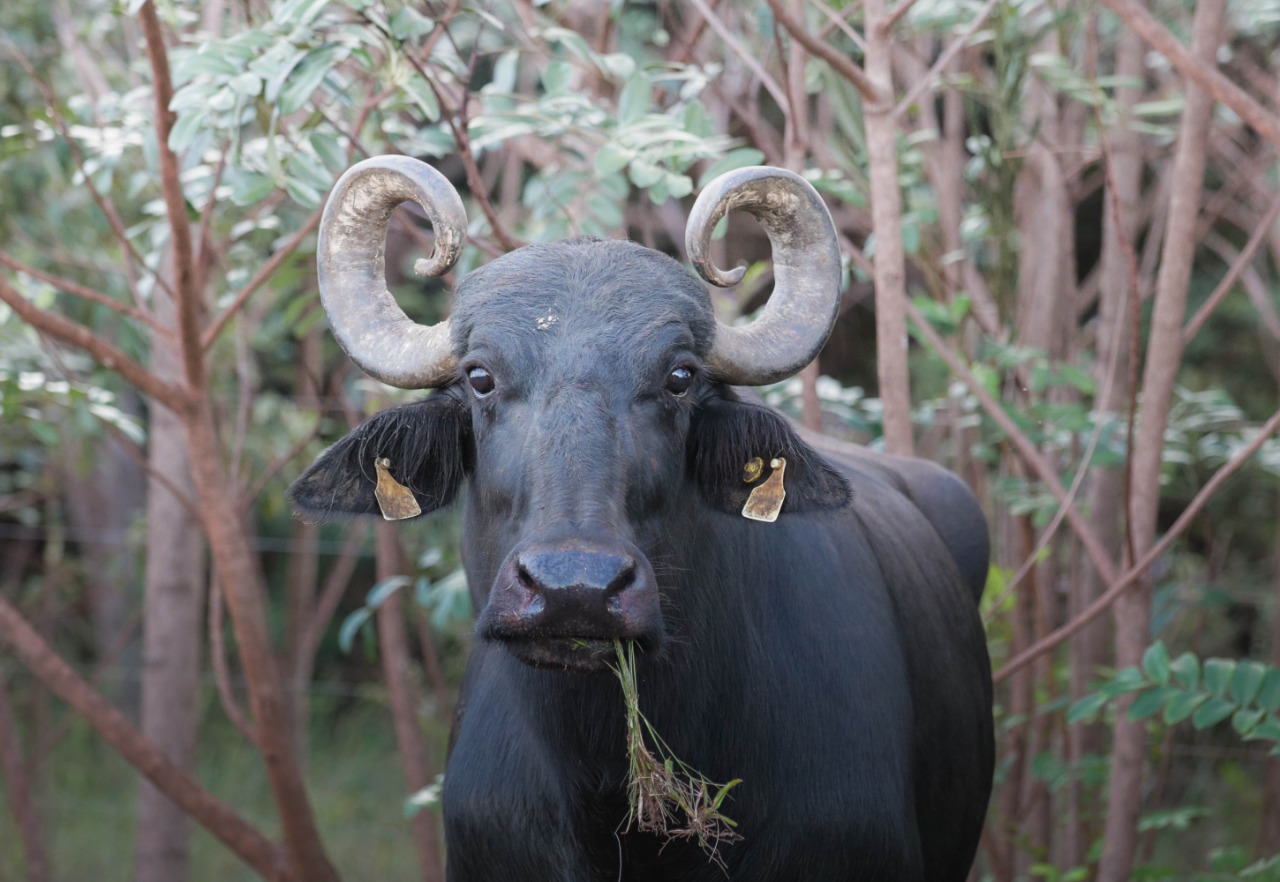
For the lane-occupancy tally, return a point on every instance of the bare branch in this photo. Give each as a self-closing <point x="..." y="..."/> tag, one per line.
<point x="217" y="817"/>
<point x="957" y="45"/>
<point x="221" y="668"/>
<point x="1206" y="76"/>
<point x="1093" y="545"/>
<point x="744" y="55"/>
<point x="186" y="295"/>
<point x="283" y="253"/>
<point x="1118" y="584"/>
<point x="75" y="334"/>
<point x="84" y="292"/>
<point x="872" y="93"/>
<point x="1237" y="267"/>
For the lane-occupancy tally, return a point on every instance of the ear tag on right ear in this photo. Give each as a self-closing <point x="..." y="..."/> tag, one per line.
<point x="765" y="501"/>
<point x="396" y="501"/>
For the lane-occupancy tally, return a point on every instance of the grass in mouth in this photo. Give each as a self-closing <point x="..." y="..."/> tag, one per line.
<point x="665" y="796"/>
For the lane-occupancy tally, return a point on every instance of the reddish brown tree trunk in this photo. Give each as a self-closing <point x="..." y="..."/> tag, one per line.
<point x="26" y="814"/>
<point x="1164" y="355"/>
<point x="396" y="668"/>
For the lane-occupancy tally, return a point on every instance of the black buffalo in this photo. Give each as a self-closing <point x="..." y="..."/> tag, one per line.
<point x="833" y="660"/>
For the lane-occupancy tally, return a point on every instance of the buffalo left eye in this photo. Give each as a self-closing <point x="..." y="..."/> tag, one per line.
<point x="481" y="381"/>
<point x="679" y="381"/>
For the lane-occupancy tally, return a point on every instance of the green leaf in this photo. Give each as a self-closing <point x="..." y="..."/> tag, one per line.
<point x="1212" y="712"/>
<point x="1088" y="707"/>
<point x="1247" y="681"/>
<point x="1269" y="694"/>
<point x="408" y="24"/>
<point x="731" y="161"/>
<point x="557" y="76"/>
<point x="1149" y="703"/>
<point x="1268" y="729"/>
<point x="297" y="13"/>
<point x="420" y="91"/>
<point x="1155" y="661"/>
<point x="307" y="76"/>
<point x="645" y="174"/>
<point x="251" y="188"/>
<point x="351" y="626"/>
<point x="185" y="130"/>
<point x="1217" y="675"/>
<point x="379" y="593"/>
<point x="1186" y="670"/>
<point x="612" y="158"/>
<point x="1181" y="706"/>
<point x="1245" y="719"/>
<point x="208" y="63"/>
<point x="634" y="100"/>
<point x="1125" y="681"/>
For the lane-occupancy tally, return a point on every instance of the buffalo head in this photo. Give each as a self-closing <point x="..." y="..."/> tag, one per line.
<point x="583" y="394"/>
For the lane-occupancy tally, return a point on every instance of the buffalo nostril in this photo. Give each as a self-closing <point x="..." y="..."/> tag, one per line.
<point x="623" y="578"/>
<point x="527" y="579"/>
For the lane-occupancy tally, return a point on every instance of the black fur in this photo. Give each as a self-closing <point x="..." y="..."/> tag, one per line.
<point x="428" y="443"/>
<point x="833" y="660"/>
<point x="727" y="433"/>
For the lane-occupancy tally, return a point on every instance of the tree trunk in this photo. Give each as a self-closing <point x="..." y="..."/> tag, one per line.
<point x="394" y="646"/>
<point x="1164" y="355"/>
<point x="1117" y="299"/>
<point x="886" y="214"/>
<point x="171" y="637"/>
<point x="26" y="814"/>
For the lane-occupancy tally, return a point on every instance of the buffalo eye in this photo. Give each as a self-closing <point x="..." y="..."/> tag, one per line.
<point x="679" y="381"/>
<point x="481" y="381"/>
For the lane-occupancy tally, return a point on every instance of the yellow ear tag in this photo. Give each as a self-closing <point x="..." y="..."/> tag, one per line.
<point x="765" y="501"/>
<point x="396" y="501"/>
<point x="751" y="471"/>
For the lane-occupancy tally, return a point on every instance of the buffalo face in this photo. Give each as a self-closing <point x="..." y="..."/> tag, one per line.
<point x="582" y="396"/>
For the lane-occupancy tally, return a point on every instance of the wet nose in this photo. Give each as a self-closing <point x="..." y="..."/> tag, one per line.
<point x="595" y="575"/>
<point x="573" y="590"/>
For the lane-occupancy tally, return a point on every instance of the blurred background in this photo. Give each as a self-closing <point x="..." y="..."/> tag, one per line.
<point x="1066" y="210"/>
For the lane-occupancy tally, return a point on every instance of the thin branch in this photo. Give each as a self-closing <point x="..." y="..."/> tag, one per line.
<point x="104" y="205"/>
<point x="270" y="472"/>
<point x="896" y="14"/>
<point x="244" y="840"/>
<point x="839" y="63"/>
<point x="1237" y="267"/>
<point x="1117" y="585"/>
<point x="1207" y="77"/>
<point x="187" y="296"/>
<point x="75" y="289"/>
<point x="75" y="334"/>
<point x="264" y="272"/>
<point x="944" y="59"/>
<point x="1026" y="449"/>
<point x="744" y="55"/>
<point x="221" y="668"/>
<point x="837" y="20"/>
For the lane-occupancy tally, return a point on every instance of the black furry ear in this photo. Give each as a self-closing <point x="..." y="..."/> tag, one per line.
<point x="727" y="434"/>
<point x="428" y="444"/>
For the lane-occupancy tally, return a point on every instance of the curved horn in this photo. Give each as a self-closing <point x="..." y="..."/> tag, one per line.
<point x="367" y="322"/>
<point x="802" y="310"/>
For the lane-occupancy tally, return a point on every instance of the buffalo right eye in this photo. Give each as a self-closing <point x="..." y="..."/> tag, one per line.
<point x="481" y="381"/>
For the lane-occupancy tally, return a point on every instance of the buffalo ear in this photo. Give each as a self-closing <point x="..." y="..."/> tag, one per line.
<point x="428" y="444"/>
<point x="726" y="434"/>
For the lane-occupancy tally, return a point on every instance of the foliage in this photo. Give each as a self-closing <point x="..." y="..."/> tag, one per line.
<point x="1207" y="693"/>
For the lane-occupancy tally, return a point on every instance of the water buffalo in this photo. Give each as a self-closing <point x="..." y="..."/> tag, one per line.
<point x="832" y="659"/>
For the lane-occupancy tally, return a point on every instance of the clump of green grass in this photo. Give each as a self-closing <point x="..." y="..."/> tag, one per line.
<point x="665" y="796"/>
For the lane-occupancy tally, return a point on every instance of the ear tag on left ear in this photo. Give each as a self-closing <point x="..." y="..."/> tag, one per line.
<point x="396" y="501"/>
<point x="765" y="501"/>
